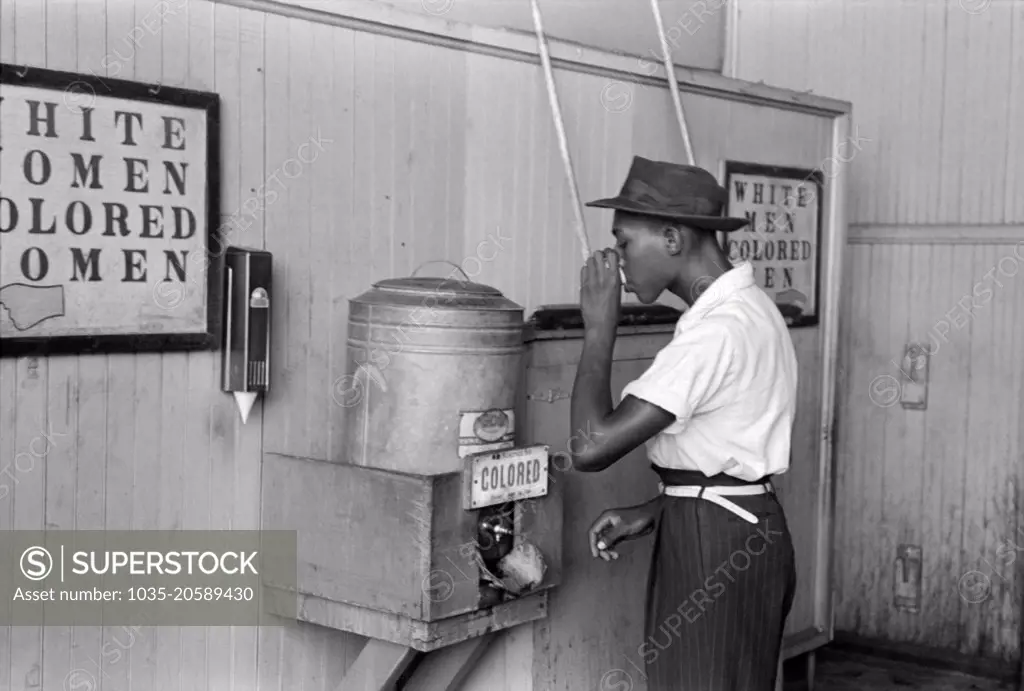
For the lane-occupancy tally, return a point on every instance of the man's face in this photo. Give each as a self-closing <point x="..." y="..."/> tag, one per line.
<point x="646" y="254"/>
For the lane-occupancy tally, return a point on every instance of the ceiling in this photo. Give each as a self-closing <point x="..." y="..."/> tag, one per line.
<point x="695" y="29"/>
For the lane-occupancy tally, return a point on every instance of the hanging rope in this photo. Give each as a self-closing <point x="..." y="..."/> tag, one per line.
<point x="563" y="143"/>
<point x="672" y="83"/>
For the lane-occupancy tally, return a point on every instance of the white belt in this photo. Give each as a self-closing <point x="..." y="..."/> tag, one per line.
<point x="716" y="494"/>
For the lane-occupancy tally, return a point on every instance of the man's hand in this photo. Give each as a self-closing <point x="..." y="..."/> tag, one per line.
<point x="601" y="291"/>
<point x="617" y="525"/>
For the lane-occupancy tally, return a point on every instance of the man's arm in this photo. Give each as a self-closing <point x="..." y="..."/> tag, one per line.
<point x="603" y="434"/>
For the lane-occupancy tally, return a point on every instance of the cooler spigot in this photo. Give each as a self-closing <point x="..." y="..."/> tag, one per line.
<point x="493" y="525"/>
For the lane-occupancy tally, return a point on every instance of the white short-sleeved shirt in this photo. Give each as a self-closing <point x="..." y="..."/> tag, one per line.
<point x="729" y="375"/>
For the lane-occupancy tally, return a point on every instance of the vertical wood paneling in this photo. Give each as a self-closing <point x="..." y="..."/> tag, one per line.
<point x="846" y="389"/>
<point x="936" y="88"/>
<point x="90" y="489"/>
<point x="405" y="71"/>
<point x="29" y="501"/>
<point x="299" y="125"/>
<point x="896" y="494"/>
<point x="173" y="460"/>
<point x="850" y="471"/>
<point x="8" y="449"/>
<point x="1012" y="493"/>
<point x="938" y="91"/>
<point x="537" y="174"/>
<point x="947" y="416"/>
<point x="61" y="456"/>
<point x="953" y="143"/>
<point x="278" y="658"/>
<point x="982" y="457"/>
<point x="1013" y="201"/>
<point x="146" y="47"/>
<point x="993" y="625"/>
<point x="245" y="485"/>
<point x="199" y="495"/>
<point x="30" y="376"/>
<point x="924" y="203"/>
<point x="284" y="382"/>
<point x="946" y="478"/>
<point x="8" y="396"/>
<point x="509" y="256"/>
<point x="8" y="452"/>
<point x="339" y="129"/>
<point x="978" y="460"/>
<point x="914" y="526"/>
<point x="321" y="257"/>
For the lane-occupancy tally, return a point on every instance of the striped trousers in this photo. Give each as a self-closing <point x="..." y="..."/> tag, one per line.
<point x="719" y="592"/>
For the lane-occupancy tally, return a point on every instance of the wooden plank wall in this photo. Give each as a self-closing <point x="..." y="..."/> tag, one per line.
<point x="149" y="441"/>
<point x="353" y="157"/>
<point x="936" y="256"/>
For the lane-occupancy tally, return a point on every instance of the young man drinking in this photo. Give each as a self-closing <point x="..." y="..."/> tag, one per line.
<point x="715" y="410"/>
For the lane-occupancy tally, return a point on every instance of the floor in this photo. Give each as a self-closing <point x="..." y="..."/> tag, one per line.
<point x="850" y="672"/>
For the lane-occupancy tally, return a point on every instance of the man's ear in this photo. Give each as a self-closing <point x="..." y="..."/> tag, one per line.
<point x="676" y="239"/>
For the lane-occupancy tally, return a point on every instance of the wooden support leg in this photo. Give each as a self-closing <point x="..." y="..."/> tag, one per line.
<point x="812" y="665"/>
<point x="378" y="667"/>
<point x="778" y="676"/>
<point x="446" y="669"/>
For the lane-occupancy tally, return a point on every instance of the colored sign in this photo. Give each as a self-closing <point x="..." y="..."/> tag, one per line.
<point x="503" y="476"/>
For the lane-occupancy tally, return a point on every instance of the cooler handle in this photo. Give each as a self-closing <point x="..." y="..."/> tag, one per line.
<point x="442" y="261"/>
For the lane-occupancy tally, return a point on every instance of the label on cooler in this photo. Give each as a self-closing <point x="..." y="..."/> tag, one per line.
<point x="486" y="430"/>
<point x="508" y="475"/>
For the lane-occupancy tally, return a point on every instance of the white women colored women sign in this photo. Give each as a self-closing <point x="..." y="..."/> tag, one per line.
<point x="105" y="211"/>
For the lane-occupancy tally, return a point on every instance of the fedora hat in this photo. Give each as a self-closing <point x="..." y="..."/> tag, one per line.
<point x="683" y="193"/>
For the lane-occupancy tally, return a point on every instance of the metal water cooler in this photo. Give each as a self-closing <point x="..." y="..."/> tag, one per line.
<point x="433" y="526"/>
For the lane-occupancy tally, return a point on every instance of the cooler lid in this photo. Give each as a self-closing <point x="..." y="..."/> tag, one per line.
<point x="432" y="285"/>
<point x="438" y="294"/>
